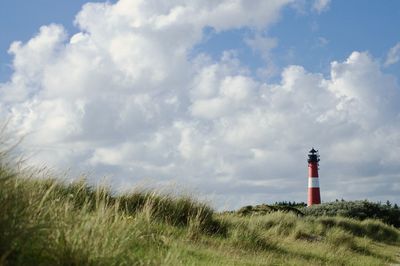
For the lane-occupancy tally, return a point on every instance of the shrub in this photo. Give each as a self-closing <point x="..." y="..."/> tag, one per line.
<point x="357" y="209"/>
<point x="265" y="209"/>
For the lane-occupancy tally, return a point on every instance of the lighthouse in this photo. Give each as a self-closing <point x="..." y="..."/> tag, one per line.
<point x="313" y="180"/>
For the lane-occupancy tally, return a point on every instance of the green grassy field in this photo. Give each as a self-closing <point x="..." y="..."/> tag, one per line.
<point x="46" y="222"/>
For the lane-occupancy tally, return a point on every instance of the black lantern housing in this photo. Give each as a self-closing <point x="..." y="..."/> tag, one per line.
<point x="313" y="156"/>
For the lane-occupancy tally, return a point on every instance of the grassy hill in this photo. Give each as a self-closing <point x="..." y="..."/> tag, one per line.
<point x="46" y="222"/>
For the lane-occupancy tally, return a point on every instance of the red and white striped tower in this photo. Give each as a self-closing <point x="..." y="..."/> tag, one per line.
<point x="313" y="180"/>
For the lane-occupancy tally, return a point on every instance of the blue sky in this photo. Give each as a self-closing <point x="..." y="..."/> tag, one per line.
<point x="317" y="39"/>
<point x="222" y="97"/>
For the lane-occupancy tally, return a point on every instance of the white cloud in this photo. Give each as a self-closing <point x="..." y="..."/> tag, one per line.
<point x="321" y="5"/>
<point x="393" y="55"/>
<point x="122" y="98"/>
<point x="30" y="61"/>
<point x="372" y="96"/>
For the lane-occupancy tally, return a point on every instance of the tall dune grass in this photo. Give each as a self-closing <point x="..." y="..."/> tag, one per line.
<point x="48" y="222"/>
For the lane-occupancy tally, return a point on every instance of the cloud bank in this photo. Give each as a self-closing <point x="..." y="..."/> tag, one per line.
<point x="125" y="98"/>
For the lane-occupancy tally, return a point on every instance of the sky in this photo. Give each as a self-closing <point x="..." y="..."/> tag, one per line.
<point x="220" y="99"/>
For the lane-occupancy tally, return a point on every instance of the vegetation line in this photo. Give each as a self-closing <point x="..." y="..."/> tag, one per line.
<point x="47" y="222"/>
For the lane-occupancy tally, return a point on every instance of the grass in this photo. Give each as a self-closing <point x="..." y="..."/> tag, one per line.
<point x="47" y="222"/>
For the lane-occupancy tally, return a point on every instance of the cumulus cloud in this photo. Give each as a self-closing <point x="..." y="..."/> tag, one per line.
<point x="393" y="55"/>
<point x="123" y="98"/>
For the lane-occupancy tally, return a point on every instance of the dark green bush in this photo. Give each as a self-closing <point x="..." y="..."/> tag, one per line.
<point x="265" y="209"/>
<point x="360" y="210"/>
